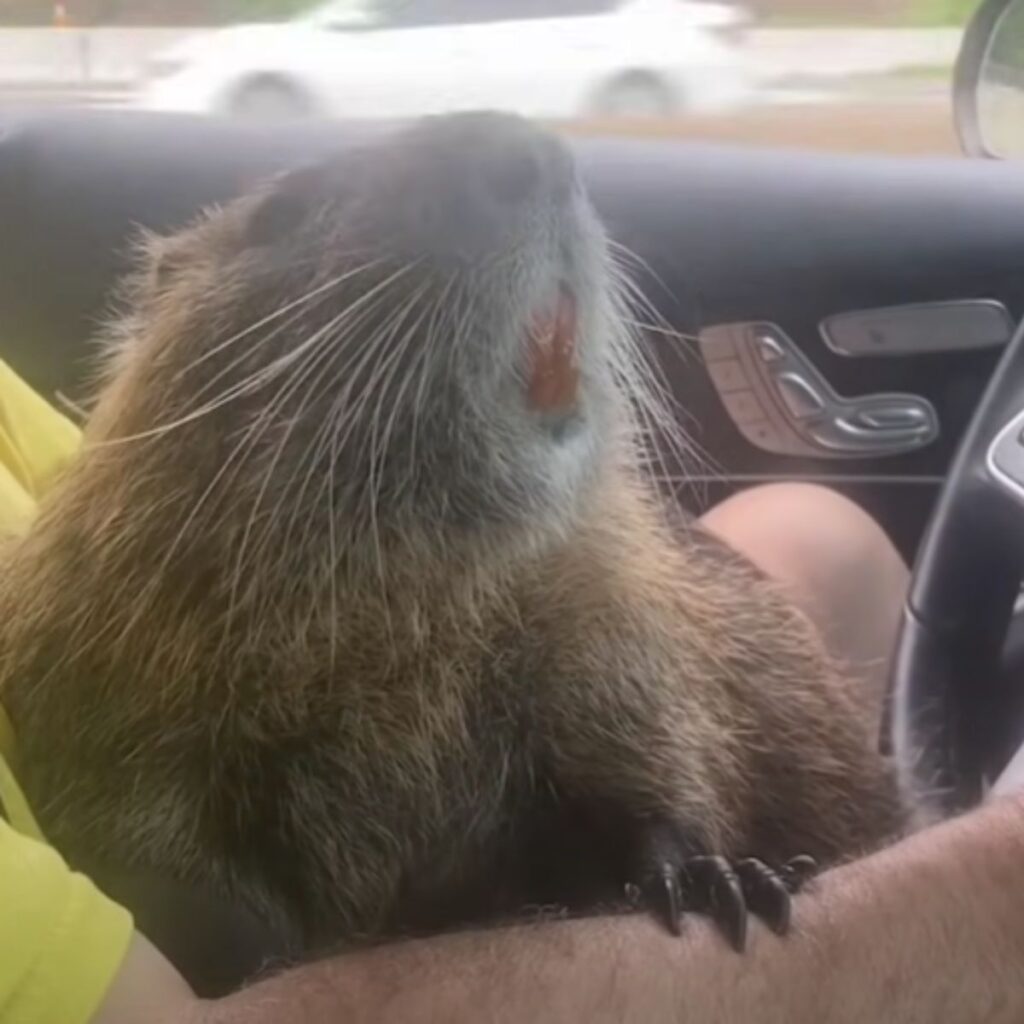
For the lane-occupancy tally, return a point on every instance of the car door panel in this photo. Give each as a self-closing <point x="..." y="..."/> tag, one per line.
<point x="792" y="238"/>
<point x="726" y="234"/>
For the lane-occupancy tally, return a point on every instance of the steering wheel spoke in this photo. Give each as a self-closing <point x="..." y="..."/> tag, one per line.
<point x="1005" y="459"/>
<point x="947" y="714"/>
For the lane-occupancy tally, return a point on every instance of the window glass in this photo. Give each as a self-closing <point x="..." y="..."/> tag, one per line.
<point x="870" y="76"/>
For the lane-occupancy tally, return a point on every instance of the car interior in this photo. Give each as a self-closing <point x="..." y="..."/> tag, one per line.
<point x="846" y="320"/>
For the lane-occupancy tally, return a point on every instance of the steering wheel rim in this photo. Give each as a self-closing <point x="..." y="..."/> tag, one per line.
<point x="952" y="724"/>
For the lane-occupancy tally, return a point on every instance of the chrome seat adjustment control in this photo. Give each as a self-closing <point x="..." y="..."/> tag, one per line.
<point x="769" y="349"/>
<point x="798" y="395"/>
<point x="896" y="416"/>
<point x="781" y="402"/>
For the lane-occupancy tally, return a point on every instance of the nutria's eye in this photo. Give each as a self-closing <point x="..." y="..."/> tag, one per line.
<point x="165" y="259"/>
<point x="163" y="270"/>
<point x="282" y="211"/>
<point x="276" y="217"/>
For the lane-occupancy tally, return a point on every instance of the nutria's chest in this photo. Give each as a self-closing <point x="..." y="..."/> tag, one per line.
<point x="398" y="797"/>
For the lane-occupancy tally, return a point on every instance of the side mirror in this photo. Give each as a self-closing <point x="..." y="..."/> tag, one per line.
<point x="988" y="91"/>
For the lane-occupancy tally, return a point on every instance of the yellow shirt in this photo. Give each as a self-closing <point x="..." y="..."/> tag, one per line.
<point x="35" y="442"/>
<point x="61" y="940"/>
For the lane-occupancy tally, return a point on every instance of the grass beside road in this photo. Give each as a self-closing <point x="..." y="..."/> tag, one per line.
<point x="914" y="14"/>
<point x="942" y="12"/>
<point x="923" y="72"/>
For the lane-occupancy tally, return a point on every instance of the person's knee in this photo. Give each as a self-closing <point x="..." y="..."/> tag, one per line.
<point x="833" y="558"/>
<point x="808" y="536"/>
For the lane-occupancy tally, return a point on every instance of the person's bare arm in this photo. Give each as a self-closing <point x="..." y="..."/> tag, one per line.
<point x="928" y="931"/>
<point x="148" y="990"/>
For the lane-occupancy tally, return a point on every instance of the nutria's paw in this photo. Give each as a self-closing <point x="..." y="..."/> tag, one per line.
<point x="726" y="891"/>
<point x="798" y="871"/>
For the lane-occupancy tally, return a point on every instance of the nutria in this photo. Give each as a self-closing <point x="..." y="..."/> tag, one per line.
<point x="359" y="607"/>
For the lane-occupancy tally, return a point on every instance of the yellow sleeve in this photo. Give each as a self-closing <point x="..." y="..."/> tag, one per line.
<point x="61" y="940"/>
<point x="35" y="442"/>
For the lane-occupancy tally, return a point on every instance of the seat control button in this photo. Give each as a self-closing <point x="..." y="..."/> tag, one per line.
<point x="799" y="396"/>
<point x="769" y="349"/>
<point x="728" y="375"/>
<point x="718" y="343"/>
<point x="743" y="407"/>
<point x="894" y="418"/>
<point x="766" y="436"/>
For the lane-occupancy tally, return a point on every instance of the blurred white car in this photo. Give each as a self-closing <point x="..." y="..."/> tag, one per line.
<point x="553" y="59"/>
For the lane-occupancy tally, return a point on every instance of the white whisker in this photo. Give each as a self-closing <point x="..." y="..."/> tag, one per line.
<point x="301" y="301"/>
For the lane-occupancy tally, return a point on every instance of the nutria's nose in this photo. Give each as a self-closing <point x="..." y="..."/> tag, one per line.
<point x="522" y="163"/>
<point x="471" y="184"/>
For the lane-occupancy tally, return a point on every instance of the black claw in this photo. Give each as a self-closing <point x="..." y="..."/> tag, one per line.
<point x="730" y="908"/>
<point x="655" y="871"/>
<point x="716" y="886"/>
<point x="766" y="894"/>
<point x="798" y="872"/>
<point x="662" y="895"/>
<point x="666" y="880"/>
<point x="672" y="901"/>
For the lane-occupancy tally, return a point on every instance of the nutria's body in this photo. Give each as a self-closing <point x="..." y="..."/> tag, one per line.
<point x="360" y="612"/>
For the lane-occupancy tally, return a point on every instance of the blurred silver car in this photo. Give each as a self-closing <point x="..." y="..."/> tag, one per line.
<point x="554" y="59"/>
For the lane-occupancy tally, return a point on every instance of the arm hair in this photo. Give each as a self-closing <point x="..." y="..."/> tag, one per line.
<point x="929" y="930"/>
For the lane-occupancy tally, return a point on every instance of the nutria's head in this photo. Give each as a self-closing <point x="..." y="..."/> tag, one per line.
<point x="416" y="336"/>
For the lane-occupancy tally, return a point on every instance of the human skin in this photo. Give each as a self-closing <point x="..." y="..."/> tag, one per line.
<point x="928" y="930"/>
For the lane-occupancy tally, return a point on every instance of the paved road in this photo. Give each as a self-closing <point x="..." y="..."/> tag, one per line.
<point x="830" y="54"/>
<point x="886" y="128"/>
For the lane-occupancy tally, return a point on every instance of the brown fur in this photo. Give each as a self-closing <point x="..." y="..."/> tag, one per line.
<point x="357" y="753"/>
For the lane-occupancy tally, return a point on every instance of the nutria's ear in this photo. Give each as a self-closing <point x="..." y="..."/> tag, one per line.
<point x="287" y="201"/>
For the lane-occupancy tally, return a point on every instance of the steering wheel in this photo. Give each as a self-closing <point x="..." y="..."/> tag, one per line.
<point x="954" y="721"/>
